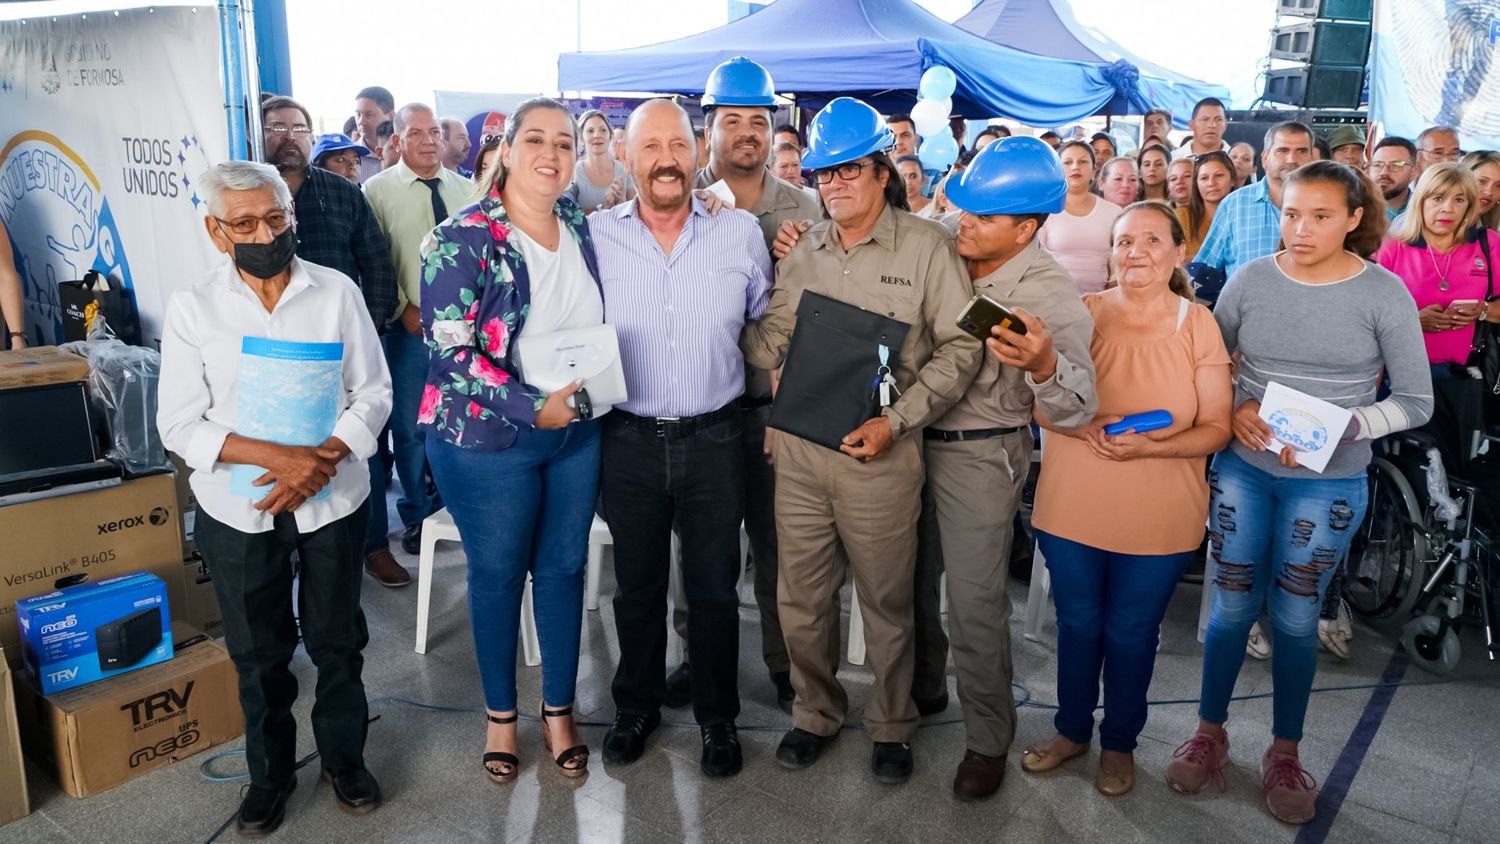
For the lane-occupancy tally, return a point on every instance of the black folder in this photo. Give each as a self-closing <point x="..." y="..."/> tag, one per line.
<point x="828" y="381"/>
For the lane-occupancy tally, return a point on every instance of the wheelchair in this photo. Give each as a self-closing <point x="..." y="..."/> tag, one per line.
<point x="1423" y="559"/>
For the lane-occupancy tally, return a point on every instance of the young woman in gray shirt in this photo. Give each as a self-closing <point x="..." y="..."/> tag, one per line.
<point x="1320" y="319"/>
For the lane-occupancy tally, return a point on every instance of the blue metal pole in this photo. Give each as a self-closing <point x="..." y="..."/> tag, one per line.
<point x="240" y="88"/>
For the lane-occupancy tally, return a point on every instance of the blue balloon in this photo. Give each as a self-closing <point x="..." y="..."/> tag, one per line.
<point x="938" y="152"/>
<point x="938" y="83"/>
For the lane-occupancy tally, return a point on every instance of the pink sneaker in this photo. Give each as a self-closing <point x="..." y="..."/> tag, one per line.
<point x="1290" y="790"/>
<point x="1198" y="761"/>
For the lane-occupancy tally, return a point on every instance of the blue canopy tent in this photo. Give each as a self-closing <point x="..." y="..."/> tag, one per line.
<point x="1047" y="28"/>
<point x="873" y="49"/>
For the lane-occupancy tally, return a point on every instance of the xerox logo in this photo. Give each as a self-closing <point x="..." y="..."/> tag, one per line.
<point x="67" y="623"/>
<point x="122" y="524"/>
<point x="159" y="516"/>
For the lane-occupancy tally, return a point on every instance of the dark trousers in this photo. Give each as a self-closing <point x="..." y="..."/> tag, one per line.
<point x="929" y="642"/>
<point x="696" y="482"/>
<point x="252" y="575"/>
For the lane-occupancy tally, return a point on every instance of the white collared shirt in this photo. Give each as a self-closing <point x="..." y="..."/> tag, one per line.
<point x="200" y="363"/>
<point x="1186" y="150"/>
<point x="403" y="207"/>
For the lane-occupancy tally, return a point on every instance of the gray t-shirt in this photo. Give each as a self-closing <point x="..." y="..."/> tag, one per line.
<point x="589" y="195"/>
<point x="1331" y="341"/>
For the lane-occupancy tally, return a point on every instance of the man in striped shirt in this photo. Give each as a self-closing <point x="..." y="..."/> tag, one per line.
<point x="679" y="286"/>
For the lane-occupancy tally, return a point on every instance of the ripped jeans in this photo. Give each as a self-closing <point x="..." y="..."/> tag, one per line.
<point x="1275" y="543"/>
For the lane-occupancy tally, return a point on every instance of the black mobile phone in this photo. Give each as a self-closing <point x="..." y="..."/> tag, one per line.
<point x="983" y="313"/>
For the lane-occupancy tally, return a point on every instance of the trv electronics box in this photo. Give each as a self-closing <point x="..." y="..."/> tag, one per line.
<point x="98" y="736"/>
<point x="85" y="633"/>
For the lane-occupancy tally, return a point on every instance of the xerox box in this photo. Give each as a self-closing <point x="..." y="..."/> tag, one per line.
<point x="98" y="736"/>
<point x="85" y="633"/>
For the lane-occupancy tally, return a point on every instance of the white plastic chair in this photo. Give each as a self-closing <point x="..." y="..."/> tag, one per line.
<point x="439" y="527"/>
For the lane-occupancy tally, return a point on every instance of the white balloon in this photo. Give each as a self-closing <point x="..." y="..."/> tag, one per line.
<point x="930" y="116"/>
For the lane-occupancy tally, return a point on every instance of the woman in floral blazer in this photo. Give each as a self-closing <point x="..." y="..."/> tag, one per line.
<point x="517" y="467"/>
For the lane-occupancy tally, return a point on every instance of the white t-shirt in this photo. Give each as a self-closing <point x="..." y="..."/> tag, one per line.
<point x="563" y="294"/>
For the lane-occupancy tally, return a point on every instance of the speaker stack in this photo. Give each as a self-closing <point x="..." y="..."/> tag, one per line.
<point x="1330" y="43"/>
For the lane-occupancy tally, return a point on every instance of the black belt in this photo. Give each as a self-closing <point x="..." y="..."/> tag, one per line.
<point x="753" y="402"/>
<point x="677" y="427"/>
<point x="964" y="436"/>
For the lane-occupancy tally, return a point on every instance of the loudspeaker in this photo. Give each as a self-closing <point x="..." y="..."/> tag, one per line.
<point x="1322" y="42"/>
<point x="1348" y="10"/>
<point x="1316" y="86"/>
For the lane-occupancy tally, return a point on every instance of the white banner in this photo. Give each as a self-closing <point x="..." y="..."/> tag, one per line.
<point x="106" y="122"/>
<point x="1433" y="64"/>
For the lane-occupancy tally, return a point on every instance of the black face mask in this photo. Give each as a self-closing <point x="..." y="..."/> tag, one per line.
<point x="267" y="260"/>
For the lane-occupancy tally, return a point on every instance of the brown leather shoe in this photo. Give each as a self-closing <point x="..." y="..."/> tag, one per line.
<point x="382" y="566"/>
<point x="978" y="776"/>
<point x="1115" y="776"/>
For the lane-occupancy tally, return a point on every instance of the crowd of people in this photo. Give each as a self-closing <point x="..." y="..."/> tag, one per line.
<point x="1172" y="279"/>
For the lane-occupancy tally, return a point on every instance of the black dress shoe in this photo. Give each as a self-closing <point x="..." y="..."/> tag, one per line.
<point x="932" y="706"/>
<point x="356" y="790"/>
<point x="679" y="690"/>
<point x="262" y="809"/>
<point x="721" y="750"/>
<point x="891" y="762"/>
<point x="626" y="739"/>
<point x="411" y="539"/>
<point x="799" y="748"/>
<point x="785" y="694"/>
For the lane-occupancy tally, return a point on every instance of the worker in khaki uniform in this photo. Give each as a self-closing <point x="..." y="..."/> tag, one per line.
<point x="979" y="452"/>
<point x="739" y="105"/>
<point x="861" y="504"/>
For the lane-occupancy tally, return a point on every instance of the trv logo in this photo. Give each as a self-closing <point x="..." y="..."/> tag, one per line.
<point x="67" y="623"/>
<point x="63" y="676"/>
<point x="165" y="747"/>
<point x="157" y="704"/>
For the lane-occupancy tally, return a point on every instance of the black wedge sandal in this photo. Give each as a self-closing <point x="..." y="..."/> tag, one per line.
<point x="577" y="753"/>
<point x="498" y="774"/>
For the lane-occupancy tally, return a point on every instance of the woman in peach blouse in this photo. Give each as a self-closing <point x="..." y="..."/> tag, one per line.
<point x="1116" y="561"/>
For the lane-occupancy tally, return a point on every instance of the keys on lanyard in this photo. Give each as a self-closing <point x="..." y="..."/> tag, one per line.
<point x="884" y="382"/>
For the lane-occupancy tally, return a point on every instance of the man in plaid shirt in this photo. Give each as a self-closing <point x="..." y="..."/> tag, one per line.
<point x="335" y="226"/>
<point x="1248" y="223"/>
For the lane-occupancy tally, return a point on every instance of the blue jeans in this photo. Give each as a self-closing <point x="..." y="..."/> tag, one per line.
<point x="406" y="355"/>
<point x="524" y="509"/>
<point x="1109" y="612"/>
<point x="1266" y="531"/>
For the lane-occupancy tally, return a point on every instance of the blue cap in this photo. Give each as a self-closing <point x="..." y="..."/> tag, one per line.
<point x="846" y="129"/>
<point x="1011" y="176"/>
<point x="336" y="142"/>
<point x="739" y="82"/>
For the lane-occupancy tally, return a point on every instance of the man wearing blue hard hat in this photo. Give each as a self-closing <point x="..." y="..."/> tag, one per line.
<point x="977" y="454"/>
<point x="739" y="105"/>
<point x="875" y="258"/>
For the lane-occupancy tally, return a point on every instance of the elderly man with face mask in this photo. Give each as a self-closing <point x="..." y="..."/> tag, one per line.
<point x="679" y="285"/>
<point x="857" y="507"/>
<point x="309" y="497"/>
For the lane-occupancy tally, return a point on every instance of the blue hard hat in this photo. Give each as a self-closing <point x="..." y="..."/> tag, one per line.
<point x="1011" y="176"/>
<point x="739" y="82"/>
<point x="844" y="130"/>
<point x="335" y="142"/>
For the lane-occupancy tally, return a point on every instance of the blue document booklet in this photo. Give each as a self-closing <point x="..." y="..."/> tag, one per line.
<point x="289" y="393"/>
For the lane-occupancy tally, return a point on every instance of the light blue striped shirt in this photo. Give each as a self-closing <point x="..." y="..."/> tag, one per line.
<point x="679" y="316"/>
<point x="1246" y="226"/>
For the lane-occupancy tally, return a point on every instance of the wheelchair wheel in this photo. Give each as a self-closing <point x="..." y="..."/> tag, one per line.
<point x="1388" y="557"/>
<point x="1434" y="653"/>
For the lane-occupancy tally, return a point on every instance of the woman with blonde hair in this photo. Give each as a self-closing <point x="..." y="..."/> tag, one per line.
<point x="1485" y="165"/>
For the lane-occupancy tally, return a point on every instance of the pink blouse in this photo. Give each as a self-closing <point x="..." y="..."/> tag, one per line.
<point x="1468" y="278"/>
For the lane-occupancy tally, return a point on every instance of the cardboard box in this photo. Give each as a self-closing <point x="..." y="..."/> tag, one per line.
<point x="202" y="607"/>
<point x="86" y="633"/>
<point x="187" y="505"/>
<point x="40" y="365"/>
<point x="13" y="799"/>
<point x="95" y="737"/>
<point x="88" y="537"/>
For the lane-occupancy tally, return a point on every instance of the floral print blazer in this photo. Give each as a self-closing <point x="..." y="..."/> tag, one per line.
<point x="476" y="293"/>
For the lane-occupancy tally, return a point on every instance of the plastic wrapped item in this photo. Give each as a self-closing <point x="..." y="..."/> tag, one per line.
<point x="1437" y="487"/>
<point x="123" y="381"/>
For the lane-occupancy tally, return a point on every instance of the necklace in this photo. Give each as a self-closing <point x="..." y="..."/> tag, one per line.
<point x="1442" y="274"/>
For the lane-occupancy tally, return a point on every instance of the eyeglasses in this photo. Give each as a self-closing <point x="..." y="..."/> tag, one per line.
<point x="276" y="221"/>
<point x="846" y="172"/>
<point x="1394" y="166"/>
<point x="486" y="139"/>
<point x="282" y="129"/>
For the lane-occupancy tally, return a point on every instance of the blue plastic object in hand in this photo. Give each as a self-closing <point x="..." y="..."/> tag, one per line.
<point x="1140" y="423"/>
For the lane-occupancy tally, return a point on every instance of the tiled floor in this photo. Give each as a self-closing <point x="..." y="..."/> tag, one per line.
<point x="1429" y="775"/>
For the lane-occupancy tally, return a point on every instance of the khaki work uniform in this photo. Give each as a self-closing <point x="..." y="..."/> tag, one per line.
<point x="974" y="480"/>
<point x="779" y="202"/>
<point x="831" y="508"/>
